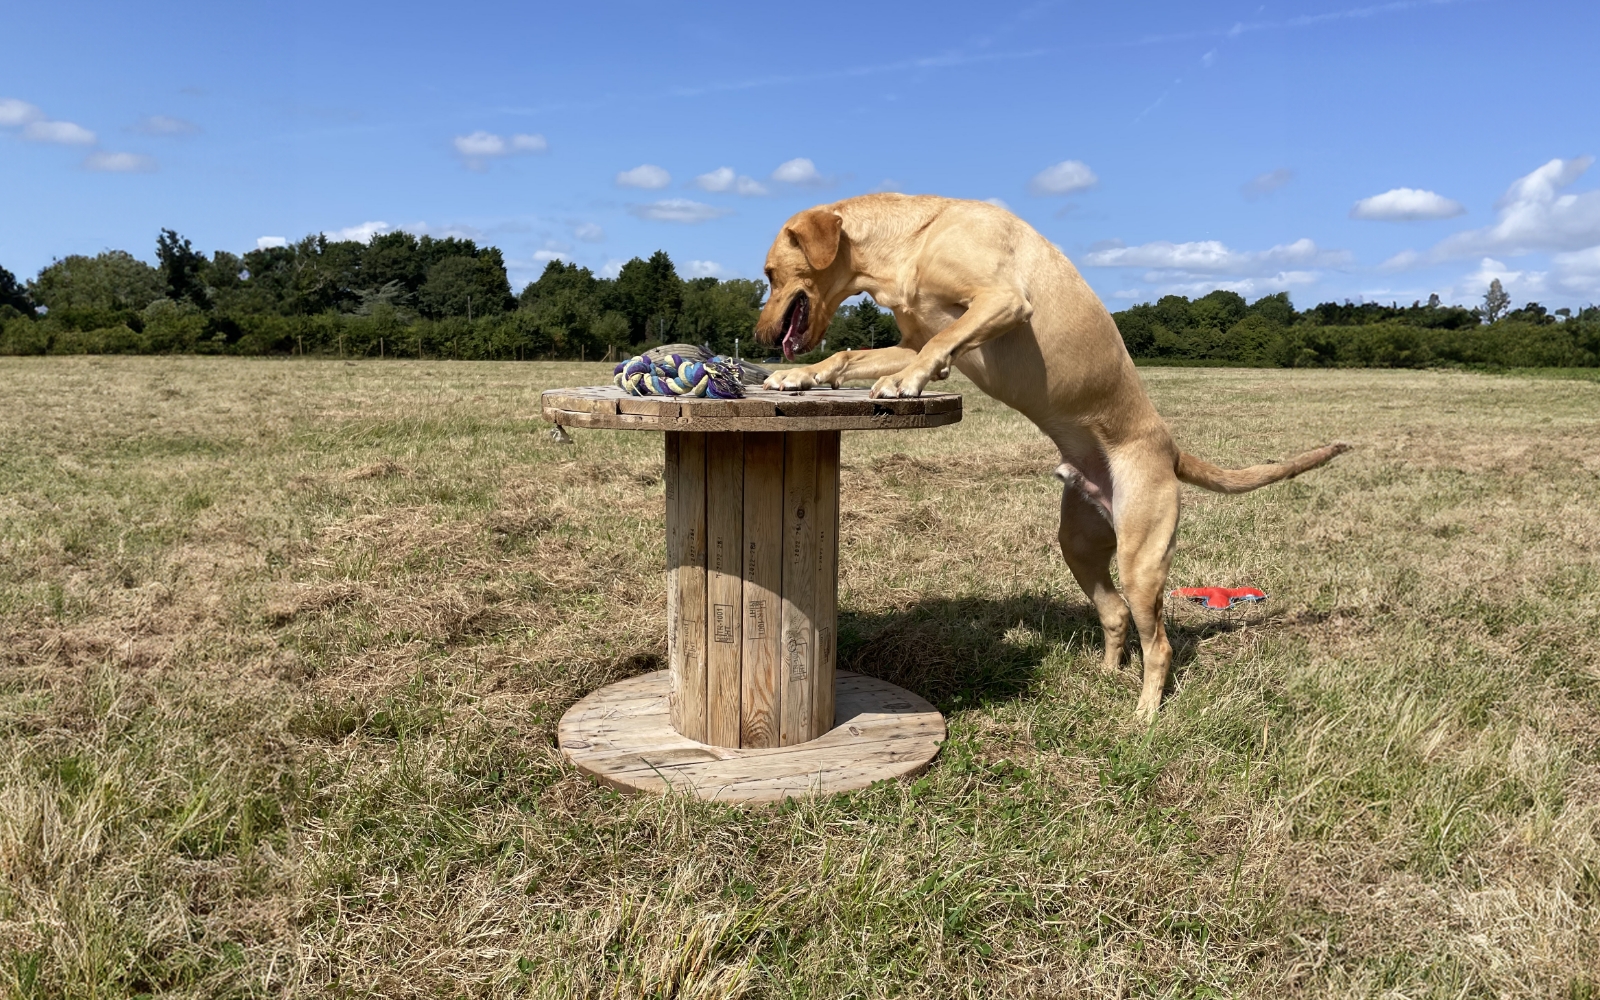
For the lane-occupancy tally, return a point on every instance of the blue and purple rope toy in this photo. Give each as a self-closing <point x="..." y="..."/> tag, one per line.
<point x="718" y="377"/>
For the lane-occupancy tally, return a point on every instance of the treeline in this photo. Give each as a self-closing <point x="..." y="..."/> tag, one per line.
<point x="1221" y="329"/>
<point x="400" y="295"/>
<point x="396" y="295"/>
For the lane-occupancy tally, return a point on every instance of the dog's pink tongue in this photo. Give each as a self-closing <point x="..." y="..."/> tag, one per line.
<point x="795" y="331"/>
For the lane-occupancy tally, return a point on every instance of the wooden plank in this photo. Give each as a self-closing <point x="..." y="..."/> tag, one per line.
<point x="799" y="586"/>
<point x="761" y="691"/>
<point x="803" y="405"/>
<point x="691" y="582"/>
<point x="717" y="425"/>
<point x="724" y="585"/>
<point x="650" y="405"/>
<point x="825" y="617"/>
<point x="701" y="408"/>
<point x="885" y="732"/>
<point x="581" y="402"/>
<point x="669" y="480"/>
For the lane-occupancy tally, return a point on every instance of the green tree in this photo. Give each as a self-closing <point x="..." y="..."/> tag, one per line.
<point x="460" y="284"/>
<point x="650" y="294"/>
<point x="113" y="280"/>
<point x="1495" y="302"/>
<point x="14" y="294"/>
<point x="182" y="269"/>
<point x="717" y="313"/>
<point x="862" y="326"/>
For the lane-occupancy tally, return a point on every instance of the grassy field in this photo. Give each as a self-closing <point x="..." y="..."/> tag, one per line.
<point x="283" y="645"/>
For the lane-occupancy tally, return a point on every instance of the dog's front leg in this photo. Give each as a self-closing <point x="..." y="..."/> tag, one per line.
<point x="988" y="315"/>
<point x="842" y="367"/>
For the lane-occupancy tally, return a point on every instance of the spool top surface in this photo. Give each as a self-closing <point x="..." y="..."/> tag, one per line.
<point x="760" y="410"/>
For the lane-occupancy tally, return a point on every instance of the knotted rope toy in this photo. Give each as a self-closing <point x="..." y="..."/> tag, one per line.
<point x="718" y="377"/>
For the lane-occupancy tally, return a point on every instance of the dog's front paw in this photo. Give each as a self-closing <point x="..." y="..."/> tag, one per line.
<point x="796" y="379"/>
<point x="901" y="385"/>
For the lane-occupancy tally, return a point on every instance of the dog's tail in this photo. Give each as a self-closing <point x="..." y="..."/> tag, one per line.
<point x="1199" y="472"/>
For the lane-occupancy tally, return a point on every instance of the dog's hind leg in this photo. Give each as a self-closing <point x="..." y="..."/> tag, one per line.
<point x="1147" y="530"/>
<point x="1088" y="544"/>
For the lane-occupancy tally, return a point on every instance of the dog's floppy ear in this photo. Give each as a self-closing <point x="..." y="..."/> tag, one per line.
<point x="817" y="233"/>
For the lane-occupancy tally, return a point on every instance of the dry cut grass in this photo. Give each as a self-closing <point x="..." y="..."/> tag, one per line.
<point x="283" y="646"/>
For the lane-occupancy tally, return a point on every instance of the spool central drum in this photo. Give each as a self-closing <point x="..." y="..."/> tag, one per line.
<point x="753" y="551"/>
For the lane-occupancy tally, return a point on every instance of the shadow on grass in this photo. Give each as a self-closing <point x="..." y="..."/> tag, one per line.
<point x="967" y="651"/>
<point x="970" y="651"/>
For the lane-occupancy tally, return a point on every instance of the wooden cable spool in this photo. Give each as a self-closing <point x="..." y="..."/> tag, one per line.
<point x="752" y="510"/>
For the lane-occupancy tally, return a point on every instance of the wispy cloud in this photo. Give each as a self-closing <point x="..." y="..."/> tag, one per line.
<point x="61" y="133"/>
<point x="724" y="179"/>
<point x="270" y="242"/>
<point x="361" y="234"/>
<point x="165" y="125"/>
<point x="678" y="210"/>
<point x="105" y="161"/>
<point x="1063" y="178"/>
<point x="1214" y="257"/>
<point x="477" y="148"/>
<point x="1304" y="21"/>
<point x="589" y="232"/>
<point x="14" y="112"/>
<point x="646" y="176"/>
<point x="1262" y="185"/>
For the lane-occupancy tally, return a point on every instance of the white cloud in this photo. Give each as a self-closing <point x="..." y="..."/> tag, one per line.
<point x="449" y="229"/>
<point x="1214" y="257"/>
<point x="678" y="210"/>
<point x="270" y="242"/>
<point x="64" y="133"/>
<point x="589" y="232"/>
<point x="1578" y="272"/>
<point x="119" y="163"/>
<point x="480" y="144"/>
<point x="361" y="234"/>
<point x="706" y="269"/>
<point x="14" y="112"/>
<point x="1262" y="185"/>
<point x="1283" y="281"/>
<point x="1519" y="284"/>
<point x="546" y="256"/>
<point x="998" y="203"/>
<point x="1535" y="215"/>
<point x="720" y="179"/>
<point x="799" y="171"/>
<point x="1407" y="205"/>
<point x="647" y="176"/>
<point x="612" y="267"/>
<point x="477" y="147"/>
<point x="165" y="125"/>
<point x="1063" y="178"/>
<point x="724" y="179"/>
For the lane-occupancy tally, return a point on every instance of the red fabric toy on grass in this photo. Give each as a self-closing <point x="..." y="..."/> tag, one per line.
<point x="1219" y="597"/>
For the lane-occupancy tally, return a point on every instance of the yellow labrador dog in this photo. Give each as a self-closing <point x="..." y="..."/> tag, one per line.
<point x="974" y="286"/>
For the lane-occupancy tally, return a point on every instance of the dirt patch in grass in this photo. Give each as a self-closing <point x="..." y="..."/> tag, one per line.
<point x="283" y="647"/>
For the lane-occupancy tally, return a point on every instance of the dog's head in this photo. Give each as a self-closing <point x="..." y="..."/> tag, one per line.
<point x="808" y="269"/>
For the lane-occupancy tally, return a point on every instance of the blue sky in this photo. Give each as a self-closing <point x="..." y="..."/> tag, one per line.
<point x="1381" y="151"/>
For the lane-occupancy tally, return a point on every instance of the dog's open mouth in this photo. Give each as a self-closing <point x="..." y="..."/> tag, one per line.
<point x="795" y="324"/>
